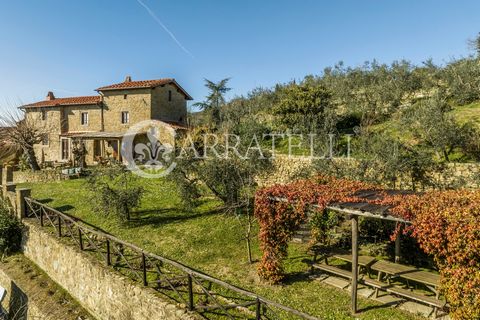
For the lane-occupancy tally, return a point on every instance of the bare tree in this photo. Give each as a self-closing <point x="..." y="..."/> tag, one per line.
<point x="22" y="133"/>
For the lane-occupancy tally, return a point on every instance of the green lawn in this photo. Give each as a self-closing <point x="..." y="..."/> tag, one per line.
<point x="211" y="242"/>
<point x="469" y="112"/>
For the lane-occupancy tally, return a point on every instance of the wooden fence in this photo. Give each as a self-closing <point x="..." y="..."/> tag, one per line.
<point x="211" y="297"/>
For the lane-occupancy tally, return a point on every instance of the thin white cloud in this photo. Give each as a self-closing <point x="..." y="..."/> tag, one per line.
<point x="157" y="19"/>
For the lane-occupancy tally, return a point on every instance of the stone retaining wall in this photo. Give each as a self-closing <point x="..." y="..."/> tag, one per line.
<point x="32" y="295"/>
<point x="105" y="293"/>
<point x="46" y="175"/>
<point x="287" y="169"/>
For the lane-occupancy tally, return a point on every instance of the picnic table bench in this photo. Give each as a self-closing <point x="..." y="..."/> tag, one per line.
<point x="392" y="269"/>
<point x="363" y="261"/>
<point x="430" y="280"/>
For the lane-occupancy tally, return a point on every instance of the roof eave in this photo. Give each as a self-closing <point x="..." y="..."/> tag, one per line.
<point x="30" y="106"/>
<point x="187" y="96"/>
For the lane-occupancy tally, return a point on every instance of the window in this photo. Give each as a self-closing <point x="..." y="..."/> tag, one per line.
<point x="125" y="117"/>
<point x="124" y="96"/>
<point x="84" y="118"/>
<point x="169" y="95"/>
<point x="44" y="115"/>
<point x="45" y="140"/>
<point x="65" y="149"/>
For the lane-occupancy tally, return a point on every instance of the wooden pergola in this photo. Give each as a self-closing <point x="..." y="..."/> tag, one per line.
<point x="353" y="210"/>
<point x="370" y="211"/>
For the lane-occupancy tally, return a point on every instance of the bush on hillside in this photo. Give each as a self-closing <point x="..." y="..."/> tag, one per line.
<point x="115" y="190"/>
<point x="10" y="231"/>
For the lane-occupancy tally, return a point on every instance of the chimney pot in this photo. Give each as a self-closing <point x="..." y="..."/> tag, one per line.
<point x="128" y="79"/>
<point x="50" y="96"/>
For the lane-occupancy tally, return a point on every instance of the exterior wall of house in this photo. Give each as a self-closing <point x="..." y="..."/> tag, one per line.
<point x="163" y="109"/>
<point x="72" y="115"/>
<point x="141" y="104"/>
<point x="137" y="102"/>
<point x="52" y="125"/>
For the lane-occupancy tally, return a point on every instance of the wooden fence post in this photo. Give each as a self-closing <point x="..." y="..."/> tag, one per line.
<point x="21" y="194"/>
<point x="41" y="216"/>
<point x="258" y="311"/>
<point x="59" y="226"/>
<point x="109" y="260"/>
<point x="144" y="269"/>
<point x="80" y="238"/>
<point x="190" y="293"/>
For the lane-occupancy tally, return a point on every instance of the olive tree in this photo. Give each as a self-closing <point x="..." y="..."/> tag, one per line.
<point x="432" y="124"/>
<point x="305" y="108"/>
<point x="115" y="190"/>
<point x="228" y="175"/>
<point x="22" y="134"/>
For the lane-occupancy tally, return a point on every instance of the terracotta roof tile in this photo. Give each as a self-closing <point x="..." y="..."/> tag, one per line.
<point x="144" y="84"/>
<point x="86" y="100"/>
<point x="137" y="84"/>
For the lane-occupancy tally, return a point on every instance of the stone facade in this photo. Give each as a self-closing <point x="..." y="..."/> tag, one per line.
<point x="163" y="100"/>
<point x="171" y="102"/>
<point x="136" y="102"/>
<point x="72" y="118"/>
<point x="103" y="292"/>
<point x="49" y="151"/>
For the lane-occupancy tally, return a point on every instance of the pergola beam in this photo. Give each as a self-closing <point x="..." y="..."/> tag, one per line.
<point x="365" y="214"/>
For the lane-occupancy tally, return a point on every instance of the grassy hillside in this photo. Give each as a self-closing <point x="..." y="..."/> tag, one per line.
<point x="212" y="242"/>
<point x="469" y="112"/>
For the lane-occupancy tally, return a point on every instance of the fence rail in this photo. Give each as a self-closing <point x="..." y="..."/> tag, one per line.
<point x="211" y="297"/>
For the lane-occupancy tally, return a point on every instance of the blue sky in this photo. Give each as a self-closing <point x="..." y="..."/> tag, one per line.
<point x="73" y="47"/>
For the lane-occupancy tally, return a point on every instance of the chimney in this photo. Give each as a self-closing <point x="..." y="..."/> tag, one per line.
<point x="128" y="79"/>
<point x="50" y="96"/>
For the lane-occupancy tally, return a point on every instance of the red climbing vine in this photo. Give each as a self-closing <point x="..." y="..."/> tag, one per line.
<point x="446" y="225"/>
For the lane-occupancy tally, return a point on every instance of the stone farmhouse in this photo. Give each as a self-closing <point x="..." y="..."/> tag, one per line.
<point x="100" y="121"/>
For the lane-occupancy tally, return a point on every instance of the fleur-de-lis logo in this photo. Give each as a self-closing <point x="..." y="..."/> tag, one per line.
<point x="149" y="158"/>
<point x="153" y="154"/>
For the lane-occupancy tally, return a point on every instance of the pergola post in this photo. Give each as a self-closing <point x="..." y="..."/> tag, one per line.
<point x="354" y="263"/>
<point x="397" y="245"/>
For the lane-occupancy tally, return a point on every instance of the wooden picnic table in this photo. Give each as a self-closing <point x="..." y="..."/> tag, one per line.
<point x="364" y="261"/>
<point x="431" y="280"/>
<point x="427" y="278"/>
<point x="390" y="268"/>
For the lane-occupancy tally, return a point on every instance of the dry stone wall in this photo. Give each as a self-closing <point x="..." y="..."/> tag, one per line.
<point x="287" y="169"/>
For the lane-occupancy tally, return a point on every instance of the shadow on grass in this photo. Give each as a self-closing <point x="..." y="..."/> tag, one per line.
<point x="299" y="276"/>
<point x="45" y="201"/>
<point x="380" y="306"/>
<point x="167" y="215"/>
<point x="64" y="208"/>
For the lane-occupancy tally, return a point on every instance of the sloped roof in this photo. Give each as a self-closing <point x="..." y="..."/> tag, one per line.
<point x="142" y="84"/>
<point x="85" y="100"/>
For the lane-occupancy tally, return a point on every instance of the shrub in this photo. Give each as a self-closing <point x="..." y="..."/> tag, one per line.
<point x="444" y="224"/>
<point x="115" y="190"/>
<point x="10" y="231"/>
